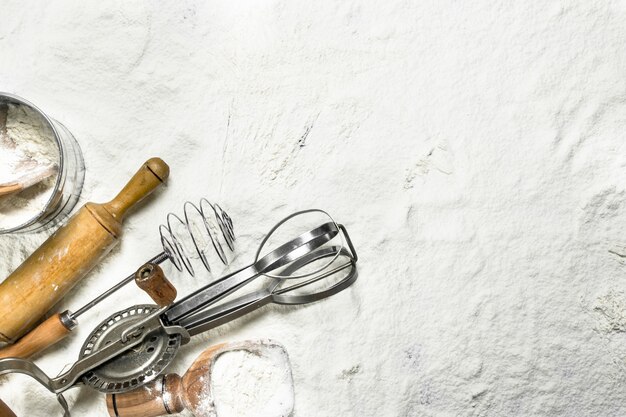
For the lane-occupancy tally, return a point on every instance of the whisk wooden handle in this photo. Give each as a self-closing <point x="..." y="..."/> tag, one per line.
<point x="46" y="334"/>
<point x="160" y="397"/>
<point x="153" y="281"/>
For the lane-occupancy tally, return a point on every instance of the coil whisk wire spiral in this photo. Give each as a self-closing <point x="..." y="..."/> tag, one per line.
<point x="202" y="226"/>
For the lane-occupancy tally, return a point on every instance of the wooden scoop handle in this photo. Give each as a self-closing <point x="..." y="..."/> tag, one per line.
<point x="160" y="397"/>
<point x="46" y="334"/>
<point x="169" y="394"/>
<point x="151" y="174"/>
<point x="5" y="411"/>
<point x="10" y="189"/>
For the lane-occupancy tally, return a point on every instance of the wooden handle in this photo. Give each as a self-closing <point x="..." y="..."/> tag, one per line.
<point x="46" y="334"/>
<point x="160" y="397"/>
<point x="152" y="280"/>
<point x="151" y="174"/>
<point x="167" y="395"/>
<point x="171" y="393"/>
<point x="10" y="189"/>
<point x="5" y="411"/>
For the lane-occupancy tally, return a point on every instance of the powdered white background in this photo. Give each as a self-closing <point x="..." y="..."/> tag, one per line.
<point x="475" y="150"/>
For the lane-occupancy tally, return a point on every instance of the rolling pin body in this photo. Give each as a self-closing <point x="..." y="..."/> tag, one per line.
<point x="69" y="254"/>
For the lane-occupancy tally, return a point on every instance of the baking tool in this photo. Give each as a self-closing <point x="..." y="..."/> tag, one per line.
<point x="131" y="347"/>
<point x="170" y="394"/>
<point x="217" y="228"/>
<point x="27" y="179"/>
<point x="5" y="411"/>
<point x="69" y="254"/>
<point x="152" y="280"/>
<point x="149" y="278"/>
<point x="70" y="167"/>
<point x="30" y="171"/>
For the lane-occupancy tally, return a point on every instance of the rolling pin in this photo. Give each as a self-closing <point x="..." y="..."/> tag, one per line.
<point x="168" y="394"/>
<point x="69" y="254"/>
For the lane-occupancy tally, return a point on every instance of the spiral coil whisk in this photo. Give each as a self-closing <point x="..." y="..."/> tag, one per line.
<point x="183" y="238"/>
<point x="203" y="226"/>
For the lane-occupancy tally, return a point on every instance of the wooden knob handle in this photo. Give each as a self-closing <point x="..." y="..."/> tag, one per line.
<point x="5" y="411"/>
<point x="151" y="174"/>
<point x="160" y="397"/>
<point x="46" y="334"/>
<point x="152" y="280"/>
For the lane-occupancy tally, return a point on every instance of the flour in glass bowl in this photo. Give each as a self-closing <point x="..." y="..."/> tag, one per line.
<point x="26" y="143"/>
<point x="255" y="382"/>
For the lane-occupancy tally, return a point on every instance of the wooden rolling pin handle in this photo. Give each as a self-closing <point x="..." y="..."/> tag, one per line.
<point x="153" y="281"/>
<point x="46" y="334"/>
<point x="160" y="397"/>
<point x="5" y="411"/>
<point x="151" y="174"/>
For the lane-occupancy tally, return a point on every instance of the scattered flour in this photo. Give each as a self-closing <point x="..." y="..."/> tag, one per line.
<point x="251" y="383"/>
<point x="28" y="144"/>
<point x="471" y="273"/>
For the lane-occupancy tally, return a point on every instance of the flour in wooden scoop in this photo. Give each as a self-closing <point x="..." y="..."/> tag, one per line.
<point x="252" y="382"/>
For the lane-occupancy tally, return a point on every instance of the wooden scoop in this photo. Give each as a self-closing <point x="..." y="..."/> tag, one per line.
<point x="12" y="188"/>
<point x="5" y="411"/>
<point x="27" y="179"/>
<point x="172" y="394"/>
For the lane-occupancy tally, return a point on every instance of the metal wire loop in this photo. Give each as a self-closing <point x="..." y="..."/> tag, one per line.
<point x="200" y="223"/>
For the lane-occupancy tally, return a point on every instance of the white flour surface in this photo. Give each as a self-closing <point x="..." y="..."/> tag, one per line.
<point x="474" y="150"/>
